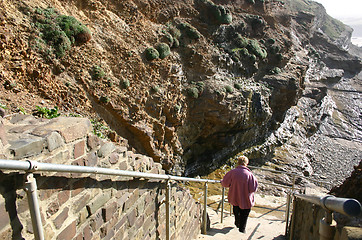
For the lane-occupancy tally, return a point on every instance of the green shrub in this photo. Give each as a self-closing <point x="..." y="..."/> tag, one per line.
<point x="240" y="41"/>
<point x="192" y="92"/>
<point x="275" y="70"/>
<point x="193" y="33"/>
<point x="124" y="83"/>
<point x="76" y="31"/>
<point x="104" y="99"/>
<point x="252" y="58"/>
<point x="219" y="14"/>
<point x="274" y="49"/>
<point x="99" y="129"/>
<point x="151" y="54"/>
<point x="255" y="21"/>
<point x="279" y="57"/>
<point x="22" y="110"/>
<point x="190" y="31"/>
<point x="200" y="86"/>
<point x="255" y="48"/>
<point x="155" y="89"/>
<point x="263" y="54"/>
<point x="163" y="50"/>
<point x="222" y="14"/>
<point x="3" y="106"/>
<point x="218" y="92"/>
<point x="271" y="41"/>
<point x="57" y="38"/>
<point x="97" y="73"/>
<point x="237" y="86"/>
<point x="229" y="89"/>
<point x="176" y="43"/>
<point x="59" y="31"/>
<point x="175" y="32"/>
<point x="48" y="13"/>
<point x="45" y="112"/>
<point x="169" y="39"/>
<point x="244" y="52"/>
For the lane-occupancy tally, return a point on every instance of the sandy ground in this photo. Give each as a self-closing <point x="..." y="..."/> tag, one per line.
<point x="266" y="221"/>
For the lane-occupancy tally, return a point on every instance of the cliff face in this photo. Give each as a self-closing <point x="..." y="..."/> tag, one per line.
<point x="225" y="79"/>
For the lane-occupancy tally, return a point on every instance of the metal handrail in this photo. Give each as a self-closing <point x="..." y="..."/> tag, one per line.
<point x="33" y="166"/>
<point x="346" y="206"/>
<point x="30" y="167"/>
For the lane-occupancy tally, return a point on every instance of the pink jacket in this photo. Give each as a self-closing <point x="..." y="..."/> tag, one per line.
<point x="242" y="184"/>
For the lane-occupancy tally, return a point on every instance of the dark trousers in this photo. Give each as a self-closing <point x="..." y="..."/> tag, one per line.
<point x="241" y="216"/>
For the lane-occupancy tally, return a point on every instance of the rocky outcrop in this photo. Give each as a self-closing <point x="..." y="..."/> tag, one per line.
<point x="226" y="83"/>
<point x="349" y="188"/>
<point x="319" y="136"/>
<point x="335" y="57"/>
<point x="151" y="103"/>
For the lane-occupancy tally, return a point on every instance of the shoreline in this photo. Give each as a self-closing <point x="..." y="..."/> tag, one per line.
<point x="357" y="41"/>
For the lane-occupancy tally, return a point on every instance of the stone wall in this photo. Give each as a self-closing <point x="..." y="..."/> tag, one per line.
<point x="86" y="206"/>
<point x="307" y="218"/>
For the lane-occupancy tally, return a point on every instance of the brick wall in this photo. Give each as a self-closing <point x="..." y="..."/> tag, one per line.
<point x="86" y="206"/>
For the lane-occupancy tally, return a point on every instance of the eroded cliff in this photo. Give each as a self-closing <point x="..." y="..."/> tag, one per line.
<point x="189" y="83"/>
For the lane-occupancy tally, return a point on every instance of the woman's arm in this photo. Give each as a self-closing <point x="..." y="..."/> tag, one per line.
<point x="226" y="181"/>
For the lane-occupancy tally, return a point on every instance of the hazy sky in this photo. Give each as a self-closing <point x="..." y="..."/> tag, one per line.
<point x="343" y="9"/>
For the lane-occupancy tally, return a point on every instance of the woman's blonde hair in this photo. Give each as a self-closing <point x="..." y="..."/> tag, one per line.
<point x="242" y="160"/>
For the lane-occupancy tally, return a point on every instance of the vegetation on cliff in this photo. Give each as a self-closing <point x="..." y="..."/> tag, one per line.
<point x="188" y="83"/>
<point x="57" y="33"/>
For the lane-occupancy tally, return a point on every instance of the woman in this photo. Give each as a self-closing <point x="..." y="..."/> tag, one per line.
<point x="242" y="185"/>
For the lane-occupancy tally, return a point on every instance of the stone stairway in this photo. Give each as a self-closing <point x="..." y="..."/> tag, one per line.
<point x="266" y="221"/>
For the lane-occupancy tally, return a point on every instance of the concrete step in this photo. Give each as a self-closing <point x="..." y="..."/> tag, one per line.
<point x="266" y="221"/>
<point x="262" y="227"/>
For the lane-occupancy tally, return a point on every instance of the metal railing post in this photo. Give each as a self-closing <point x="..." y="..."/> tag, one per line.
<point x="287" y="214"/>
<point x="30" y="188"/>
<point x="222" y="205"/>
<point x="293" y="186"/>
<point x="168" y="197"/>
<point x="291" y="232"/>
<point x="327" y="227"/>
<point x="204" y="229"/>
